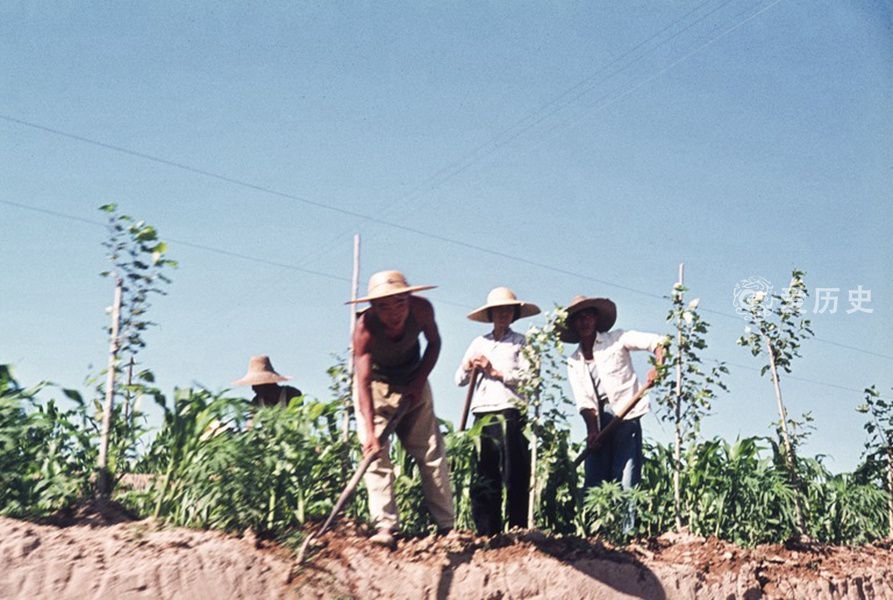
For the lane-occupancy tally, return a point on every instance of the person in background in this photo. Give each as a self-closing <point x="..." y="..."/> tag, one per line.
<point x="264" y="382"/>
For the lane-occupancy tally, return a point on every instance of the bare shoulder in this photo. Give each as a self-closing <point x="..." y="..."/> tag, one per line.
<point x="361" y="334"/>
<point x="422" y="309"/>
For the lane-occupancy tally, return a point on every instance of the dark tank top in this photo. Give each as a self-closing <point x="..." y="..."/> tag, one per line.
<point x="394" y="361"/>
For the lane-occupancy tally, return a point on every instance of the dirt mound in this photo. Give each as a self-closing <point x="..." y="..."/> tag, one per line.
<point x="531" y="565"/>
<point x="96" y="512"/>
<point x="139" y="559"/>
<point x="135" y="560"/>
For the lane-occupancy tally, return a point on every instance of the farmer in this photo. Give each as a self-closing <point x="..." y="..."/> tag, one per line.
<point x="503" y="455"/>
<point x="603" y="381"/>
<point x="391" y="369"/>
<point x="264" y="381"/>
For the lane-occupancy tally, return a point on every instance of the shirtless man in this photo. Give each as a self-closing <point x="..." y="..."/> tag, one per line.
<point x="390" y="370"/>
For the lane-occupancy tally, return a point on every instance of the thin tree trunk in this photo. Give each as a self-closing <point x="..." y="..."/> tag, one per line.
<point x="677" y="447"/>
<point x="890" y="492"/>
<point x="790" y="457"/>
<point x="354" y="290"/>
<point x="128" y="407"/>
<point x="534" y="446"/>
<point x="103" y="477"/>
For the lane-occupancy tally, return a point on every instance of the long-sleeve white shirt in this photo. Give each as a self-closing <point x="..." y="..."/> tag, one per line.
<point x="618" y="381"/>
<point x="506" y="357"/>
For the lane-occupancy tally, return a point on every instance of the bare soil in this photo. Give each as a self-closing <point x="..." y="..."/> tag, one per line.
<point x="98" y="552"/>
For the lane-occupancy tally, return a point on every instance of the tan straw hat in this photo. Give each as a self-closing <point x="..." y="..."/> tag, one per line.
<point x="503" y="296"/>
<point x="389" y="283"/>
<point x="260" y="371"/>
<point x="607" y="315"/>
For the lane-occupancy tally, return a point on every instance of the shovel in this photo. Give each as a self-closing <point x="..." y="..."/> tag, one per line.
<point x="605" y="433"/>
<point x="355" y="480"/>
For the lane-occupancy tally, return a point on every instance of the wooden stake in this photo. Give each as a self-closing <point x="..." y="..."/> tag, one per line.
<point x="677" y="449"/>
<point x="354" y="292"/>
<point x="534" y="446"/>
<point x="128" y="407"/>
<point x="103" y="477"/>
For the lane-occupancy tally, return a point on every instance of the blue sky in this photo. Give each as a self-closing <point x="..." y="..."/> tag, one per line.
<point x="588" y="147"/>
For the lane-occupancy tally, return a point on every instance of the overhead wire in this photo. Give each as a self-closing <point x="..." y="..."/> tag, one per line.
<point x="241" y="256"/>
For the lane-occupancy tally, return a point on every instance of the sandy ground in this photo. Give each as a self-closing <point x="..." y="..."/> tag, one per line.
<point x="134" y="560"/>
<point x="108" y="556"/>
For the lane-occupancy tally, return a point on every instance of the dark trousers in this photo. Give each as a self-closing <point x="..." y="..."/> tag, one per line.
<point x="619" y="459"/>
<point x="504" y="459"/>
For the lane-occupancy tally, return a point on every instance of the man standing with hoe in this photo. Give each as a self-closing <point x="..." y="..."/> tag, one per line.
<point x="604" y="383"/>
<point x="391" y="370"/>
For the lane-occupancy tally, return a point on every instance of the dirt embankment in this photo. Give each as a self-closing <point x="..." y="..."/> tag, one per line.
<point x="531" y="565"/>
<point x="103" y="556"/>
<point x="135" y="560"/>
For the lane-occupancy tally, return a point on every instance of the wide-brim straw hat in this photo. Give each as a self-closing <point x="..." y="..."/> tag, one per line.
<point x="607" y="316"/>
<point x="388" y="283"/>
<point x="503" y="296"/>
<point x="260" y="372"/>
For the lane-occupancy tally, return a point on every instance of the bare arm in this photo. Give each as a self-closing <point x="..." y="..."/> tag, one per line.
<point x="363" y="369"/>
<point x="424" y="314"/>
<point x="659" y="355"/>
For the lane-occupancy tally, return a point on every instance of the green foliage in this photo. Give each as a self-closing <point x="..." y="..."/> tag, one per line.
<point x="46" y="453"/>
<point x="138" y="265"/>
<point x="738" y="492"/>
<point x="699" y="384"/>
<point x="780" y="330"/>
<point x="215" y="468"/>
<point x="879" y="427"/>
<point x="138" y="259"/>
<point x="553" y="477"/>
<point x="604" y="510"/>
<point x="777" y="321"/>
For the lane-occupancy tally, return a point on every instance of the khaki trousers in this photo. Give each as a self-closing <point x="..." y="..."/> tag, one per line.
<point x="421" y="437"/>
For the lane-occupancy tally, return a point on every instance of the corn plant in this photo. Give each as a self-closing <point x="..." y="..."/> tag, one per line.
<point x="46" y="453"/>
<point x="214" y="470"/>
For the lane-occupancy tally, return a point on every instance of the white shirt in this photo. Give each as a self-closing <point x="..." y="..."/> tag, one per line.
<point x="610" y="355"/>
<point x="506" y="357"/>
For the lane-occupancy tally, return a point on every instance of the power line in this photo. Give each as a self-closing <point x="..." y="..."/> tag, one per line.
<point x="558" y="131"/>
<point x="369" y="218"/>
<point x="205" y="247"/>
<point x="506" y="136"/>
<point x="794" y="377"/>
<point x="246" y="257"/>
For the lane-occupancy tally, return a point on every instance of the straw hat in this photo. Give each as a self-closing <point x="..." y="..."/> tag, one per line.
<point x="503" y="296"/>
<point x="260" y="371"/>
<point x="389" y="283"/>
<point x="607" y="315"/>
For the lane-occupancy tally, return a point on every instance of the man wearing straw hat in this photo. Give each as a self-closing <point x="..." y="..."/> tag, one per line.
<point x="264" y="381"/>
<point x="603" y="381"/>
<point x="503" y="454"/>
<point x="390" y="370"/>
